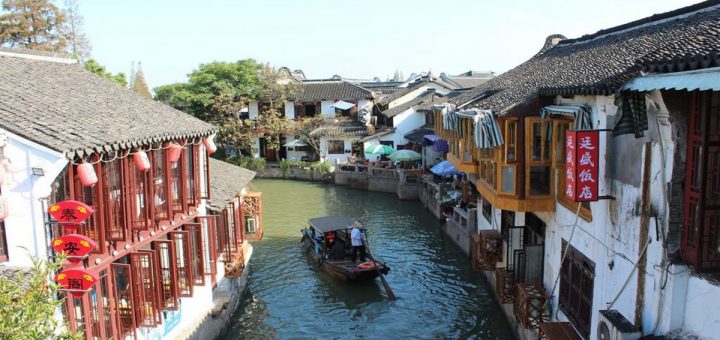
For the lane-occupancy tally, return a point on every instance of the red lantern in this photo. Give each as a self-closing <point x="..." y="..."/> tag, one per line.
<point x="76" y="281"/>
<point x="210" y="145"/>
<point x="174" y="151"/>
<point x="76" y="247"/>
<point x="3" y="208"/>
<point x="141" y="160"/>
<point x="87" y="174"/>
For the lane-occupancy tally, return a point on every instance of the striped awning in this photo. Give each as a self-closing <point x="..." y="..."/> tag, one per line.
<point x="633" y="114"/>
<point x="449" y="117"/>
<point x="700" y="80"/>
<point x="581" y="113"/>
<point x="486" y="130"/>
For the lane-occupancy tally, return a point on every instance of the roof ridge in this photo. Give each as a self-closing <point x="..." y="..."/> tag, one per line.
<point x="654" y="19"/>
<point x="56" y="57"/>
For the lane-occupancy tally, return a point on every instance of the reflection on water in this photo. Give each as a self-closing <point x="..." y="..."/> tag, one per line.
<point x="439" y="296"/>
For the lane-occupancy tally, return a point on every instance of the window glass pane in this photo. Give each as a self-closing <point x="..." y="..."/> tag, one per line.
<point x="336" y="147"/>
<point x="508" y="179"/>
<point x="540" y="180"/>
<point x="511" y="141"/>
<point x="536" y="141"/>
<point x="547" y="151"/>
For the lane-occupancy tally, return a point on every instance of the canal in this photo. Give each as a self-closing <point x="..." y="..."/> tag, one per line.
<point x="439" y="295"/>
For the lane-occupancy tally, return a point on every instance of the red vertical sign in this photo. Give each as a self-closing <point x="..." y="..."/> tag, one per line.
<point x="582" y="165"/>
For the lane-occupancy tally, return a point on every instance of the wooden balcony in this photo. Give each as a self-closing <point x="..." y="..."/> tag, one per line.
<point x="464" y="166"/>
<point x="514" y="203"/>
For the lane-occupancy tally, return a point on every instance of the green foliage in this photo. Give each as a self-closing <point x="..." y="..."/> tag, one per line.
<point x="304" y="128"/>
<point x="93" y="66"/>
<point x="323" y="168"/>
<point x="252" y="163"/>
<point x="285" y="165"/>
<point x="33" y="24"/>
<point x="77" y="41"/>
<point x="28" y="304"/>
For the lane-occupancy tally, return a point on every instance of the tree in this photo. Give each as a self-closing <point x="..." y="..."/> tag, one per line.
<point x="305" y="130"/>
<point x="138" y="83"/>
<point x="28" y="304"/>
<point x="33" y="24"/>
<point x="93" y="66"/>
<point x="276" y="89"/>
<point x="78" y="43"/>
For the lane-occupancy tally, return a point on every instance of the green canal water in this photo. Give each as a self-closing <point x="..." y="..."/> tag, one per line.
<point x="288" y="297"/>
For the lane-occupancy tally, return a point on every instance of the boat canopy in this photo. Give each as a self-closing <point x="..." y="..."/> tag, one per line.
<point x="330" y="223"/>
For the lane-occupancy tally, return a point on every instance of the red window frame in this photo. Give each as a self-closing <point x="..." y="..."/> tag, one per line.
<point x="139" y="206"/>
<point x="115" y="191"/>
<point x="191" y="175"/>
<point x="205" y="172"/>
<point x="144" y="281"/>
<point x="3" y="243"/>
<point x="232" y="227"/>
<point x="107" y="296"/>
<point x="195" y="237"/>
<point x="210" y="245"/>
<point x="176" y="185"/>
<point x="124" y="299"/>
<point x="94" y="226"/>
<point x="183" y="264"/>
<point x="160" y="201"/>
<point x="221" y="230"/>
<point x="165" y="258"/>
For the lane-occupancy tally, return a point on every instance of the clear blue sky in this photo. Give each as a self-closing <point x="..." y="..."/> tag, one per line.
<point x="355" y="39"/>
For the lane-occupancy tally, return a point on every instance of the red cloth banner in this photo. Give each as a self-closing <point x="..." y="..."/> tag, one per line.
<point x="582" y="164"/>
<point x="76" y="281"/>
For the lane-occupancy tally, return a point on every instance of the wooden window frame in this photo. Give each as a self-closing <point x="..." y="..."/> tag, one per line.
<point x="107" y="296"/>
<point x="530" y="163"/>
<point x="176" y="180"/>
<point x="332" y="151"/>
<point x="169" y="299"/>
<point x="140" y="189"/>
<point x="210" y="245"/>
<point x="232" y="226"/>
<point x="205" y="172"/>
<point x="559" y="147"/>
<point x="160" y="199"/>
<point x="128" y="294"/>
<point x="183" y="264"/>
<point x="197" y="252"/>
<point x="576" y="263"/>
<point x="114" y="183"/>
<point x="94" y="226"/>
<point x="144" y="281"/>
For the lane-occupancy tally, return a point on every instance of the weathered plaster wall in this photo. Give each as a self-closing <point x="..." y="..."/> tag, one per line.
<point x="25" y="194"/>
<point x="335" y="158"/>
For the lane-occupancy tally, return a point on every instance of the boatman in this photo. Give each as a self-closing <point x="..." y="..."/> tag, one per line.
<point x="357" y="239"/>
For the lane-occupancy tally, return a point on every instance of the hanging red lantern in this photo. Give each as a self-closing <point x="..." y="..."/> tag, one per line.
<point x="87" y="174"/>
<point x="174" y="151"/>
<point x="75" y="247"/>
<point x="76" y="281"/>
<point x="210" y="145"/>
<point x="3" y="208"/>
<point x="141" y="160"/>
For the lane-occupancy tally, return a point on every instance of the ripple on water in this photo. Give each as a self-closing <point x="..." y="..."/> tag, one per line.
<point x="288" y="297"/>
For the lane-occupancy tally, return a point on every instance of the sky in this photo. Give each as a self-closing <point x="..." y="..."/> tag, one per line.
<point x="353" y="39"/>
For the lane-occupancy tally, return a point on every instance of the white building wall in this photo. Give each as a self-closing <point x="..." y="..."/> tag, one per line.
<point x="26" y="196"/>
<point x="289" y="110"/>
<point x="336" y="158"/>
<point x="326" y="108"/>
<point x="253" y="110"/>
<point x="367" y="105"/>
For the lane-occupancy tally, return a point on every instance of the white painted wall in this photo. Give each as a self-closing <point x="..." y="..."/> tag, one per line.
<point x="26" y="194"/>
<point x="367" y="105"/>
<point x="289" y="110"/>
<point x="335" y="158"/>
<point x="253" y="110"/>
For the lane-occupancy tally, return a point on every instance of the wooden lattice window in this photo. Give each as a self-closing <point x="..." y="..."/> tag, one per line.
<point x="124" y="299"/>
<point x="159" y="168"/>
<point x="183" y="264"/>
<point x="140" y="191"/>
<point x="191" y="182"/>
<point x="3" y="243"/>
<point x="538" y="148"/>
<point x="205" y="173"/>
<point x="107" y="297"/>
<point x="144" y="281"/>
<point x="232" y="228"/>
<point x="196" y="252"/>
<point x="221" y="230"/>
<point x="90" y="195"/>
<point x="701" y="234"/>
<point x="210" y="254"/>
<point x="114" y="199"/>
<point x="165" y="253"/>
<point x="176" y="185"/>
<point x="576" y="288"/>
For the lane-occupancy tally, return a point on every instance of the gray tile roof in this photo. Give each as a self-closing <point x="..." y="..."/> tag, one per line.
<point x="70" y="110"/>
<point x="417" y="135"/>
<point x="602" y="62"/>
<point x="340" y="129"/>
<point x="420" y="82"/>
<point x="331" y="90"/>
<point x="226" y="182"/>
<point x="427" y="106"/>
<point x="379" y="133"/>
<point x="426" y="97"/>
<point x="13" y="273"/>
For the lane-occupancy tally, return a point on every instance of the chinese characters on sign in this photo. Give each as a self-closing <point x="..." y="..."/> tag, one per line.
<point x="581" y="165"/>
<point x="70" y="213"/>
<point x="76" y="247"/>
<point x="76" y="281"/>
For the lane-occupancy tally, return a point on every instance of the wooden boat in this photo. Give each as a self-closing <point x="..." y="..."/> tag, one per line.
<point x="327" y="241"/>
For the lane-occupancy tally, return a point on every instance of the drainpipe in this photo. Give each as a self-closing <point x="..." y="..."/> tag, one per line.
<point x="643" y="239"/>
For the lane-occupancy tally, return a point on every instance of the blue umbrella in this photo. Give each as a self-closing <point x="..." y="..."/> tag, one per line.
<point x="444" y="168"/>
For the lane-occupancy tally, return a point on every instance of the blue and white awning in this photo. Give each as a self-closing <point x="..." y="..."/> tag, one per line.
<point x="700" y="80"/>
<point x="486" y="130"/>
<point x="581" y="113"/>
<point x="342" y="105"/>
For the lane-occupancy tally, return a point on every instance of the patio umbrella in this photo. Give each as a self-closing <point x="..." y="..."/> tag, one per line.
<point x="444" y="168"/>
<point x="405" y="155"/>
<point x="379" y="149"/>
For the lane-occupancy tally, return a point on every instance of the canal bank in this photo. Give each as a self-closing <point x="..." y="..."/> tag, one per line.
<point x="440" y="296"/>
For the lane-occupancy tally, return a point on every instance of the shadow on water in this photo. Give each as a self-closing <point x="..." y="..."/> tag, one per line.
<point x="289" y="297"/>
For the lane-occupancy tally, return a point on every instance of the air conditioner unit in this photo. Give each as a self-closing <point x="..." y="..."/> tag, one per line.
<point x="251" y="226"/>
<point x="614" y="326"/>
